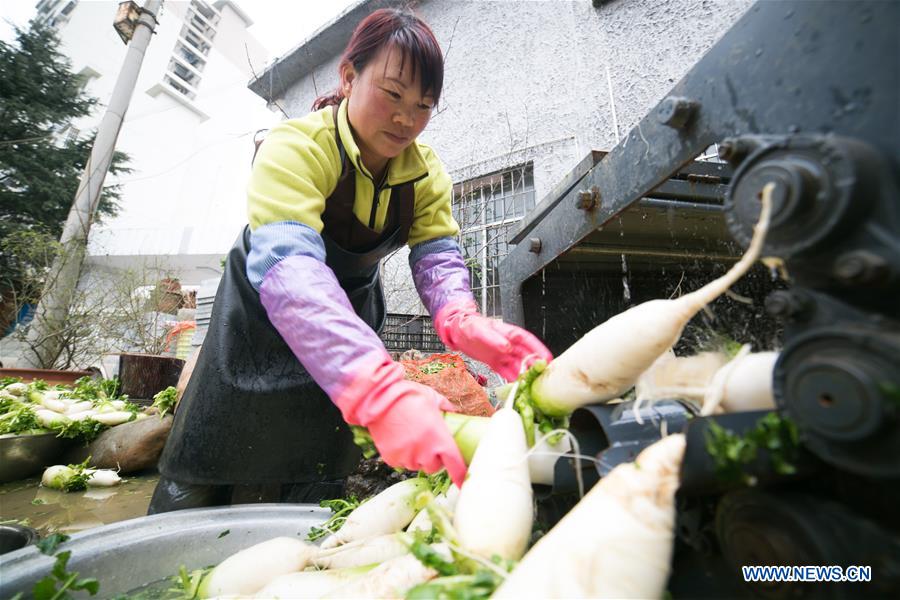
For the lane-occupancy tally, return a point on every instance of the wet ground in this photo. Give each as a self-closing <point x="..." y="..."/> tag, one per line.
<point x="27" y="503"/>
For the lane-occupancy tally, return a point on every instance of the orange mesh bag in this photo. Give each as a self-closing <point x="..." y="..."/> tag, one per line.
<point x="447" y="374"/>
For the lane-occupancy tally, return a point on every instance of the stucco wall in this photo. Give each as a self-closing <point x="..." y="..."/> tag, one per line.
<point x="545" y="80"/>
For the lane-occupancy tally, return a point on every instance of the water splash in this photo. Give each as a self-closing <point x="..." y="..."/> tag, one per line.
<point x="626" y="291"/>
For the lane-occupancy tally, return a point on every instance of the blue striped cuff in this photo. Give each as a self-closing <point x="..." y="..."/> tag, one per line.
<point x="273" y="242"/>
<point x="441" y="244"/>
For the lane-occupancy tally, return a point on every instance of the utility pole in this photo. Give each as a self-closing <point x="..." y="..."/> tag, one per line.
<point x="44" y="335"/>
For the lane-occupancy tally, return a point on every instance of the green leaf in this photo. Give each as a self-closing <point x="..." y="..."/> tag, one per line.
<point x="89" y="584"/>
<point x="45" y="589"/>
<point x="431" y="558"/>
<point x="340" y="508"/>
<point x="85" y="431"/>
<point x="49" y="544"/>
<point x="775" y="434"/>
<point x="59" y="567"/>
<point x="165" y="400"/>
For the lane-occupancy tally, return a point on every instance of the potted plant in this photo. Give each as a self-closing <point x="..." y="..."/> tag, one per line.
<point x="143" y="331"/>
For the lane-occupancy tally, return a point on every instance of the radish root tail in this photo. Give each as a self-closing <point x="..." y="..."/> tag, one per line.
<point x="712" y="290"/>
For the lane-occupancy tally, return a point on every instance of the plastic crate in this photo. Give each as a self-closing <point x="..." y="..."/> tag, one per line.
<point x="402" y="332"/>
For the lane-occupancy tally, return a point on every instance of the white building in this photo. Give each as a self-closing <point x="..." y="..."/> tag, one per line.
<point x="188" y="132"/>
<point x="530" y="88"/>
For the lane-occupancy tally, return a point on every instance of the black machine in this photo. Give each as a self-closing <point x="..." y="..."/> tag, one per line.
<point x="805" y="95"/>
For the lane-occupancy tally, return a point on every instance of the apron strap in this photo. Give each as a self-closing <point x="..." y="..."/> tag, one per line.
<point x="403" y="197"/>
<point x="337" y="138"/>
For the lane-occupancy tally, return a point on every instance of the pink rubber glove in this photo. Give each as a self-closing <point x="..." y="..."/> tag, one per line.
<point x="404" y="419"/>
<point x="503" y="347"/>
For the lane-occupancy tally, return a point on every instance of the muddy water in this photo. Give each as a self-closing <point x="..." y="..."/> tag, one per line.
<point x="27" y="503"/>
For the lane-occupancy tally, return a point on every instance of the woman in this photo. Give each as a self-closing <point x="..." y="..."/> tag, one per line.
<point x="292" y="354"/>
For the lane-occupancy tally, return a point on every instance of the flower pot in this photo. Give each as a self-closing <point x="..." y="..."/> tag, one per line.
<point x="142" y="376"/>
<point x="51" y="376"/>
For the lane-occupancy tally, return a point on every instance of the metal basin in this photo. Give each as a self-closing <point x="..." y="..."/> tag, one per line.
<point x="24" y="455"/>
<point x="13" y="537"/>
<point x="130" y="554"/>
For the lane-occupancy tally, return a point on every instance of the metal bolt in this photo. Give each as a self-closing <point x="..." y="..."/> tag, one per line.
<point x="676" y="112"/>
<point x="727" y="149"/>
<point x="588" y="199"/>
<point x="860" y="266"/>
<point x="785" y="304"/>
<point x="534" y="245"/>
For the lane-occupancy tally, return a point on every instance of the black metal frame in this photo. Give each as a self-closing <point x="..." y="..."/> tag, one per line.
<point x="784" y="67"/>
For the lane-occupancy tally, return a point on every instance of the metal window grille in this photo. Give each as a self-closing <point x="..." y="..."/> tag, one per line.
<point x="72" y="134"/>
<point x="487" y="209"/>
<point x="403" y="332"/>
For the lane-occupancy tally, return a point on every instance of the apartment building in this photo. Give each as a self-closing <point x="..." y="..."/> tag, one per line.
<point x="189" y="130"/>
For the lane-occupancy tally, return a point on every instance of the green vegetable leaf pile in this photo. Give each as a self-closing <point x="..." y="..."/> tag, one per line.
<point x="434" y="367"/>
<point x="88" y="388"/>
<point x="775" y="434"/>
<point x="165" y="400"/>
<point x="340" y="508"/>
<point x="457" y="587"/>
<point x="16" y="417"/>
<point x="78" y="481"/>
<point x="532" y="417"/>
<point x="85" y="430"/>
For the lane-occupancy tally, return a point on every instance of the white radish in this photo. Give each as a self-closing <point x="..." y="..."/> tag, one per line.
<point x="309" y="584"/>
<point x="542" y="459"/>
<point x="498" y="477"/>
<point x="363" y="552"/>
<point x="683" y="377"/>
<point x="616" y="542"/>
<point x="248" y="571"/>
<point x="50" y="419"/>
<point x="53" y="404"/>
<point x="390" y="579"/>
<point x="113" y="418"/>
<point x="446" y="501"/>
<point x="57" y="476"/>
<point x="80" y="406"/>
<point x="81" y="416"/>
<point x="744" y="384"/>
<point x="16" y="389"/>
<point x="103" y="478"/>
<point x="607" y="361"/>
<point x="388" y="512"/>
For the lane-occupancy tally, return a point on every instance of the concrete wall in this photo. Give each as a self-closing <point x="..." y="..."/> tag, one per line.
<point x="544" y="81"/>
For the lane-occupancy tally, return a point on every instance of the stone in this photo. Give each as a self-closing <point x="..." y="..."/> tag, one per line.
<point x="129" y="447"/>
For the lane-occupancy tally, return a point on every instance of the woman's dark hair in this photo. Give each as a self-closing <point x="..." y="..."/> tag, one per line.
<point x="402" y="30"/>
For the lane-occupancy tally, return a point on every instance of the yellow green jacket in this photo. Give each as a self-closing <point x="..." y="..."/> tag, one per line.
<point x="297" y="168"/>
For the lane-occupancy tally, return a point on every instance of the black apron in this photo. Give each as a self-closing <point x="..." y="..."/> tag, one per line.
<point x="251" y="414"/>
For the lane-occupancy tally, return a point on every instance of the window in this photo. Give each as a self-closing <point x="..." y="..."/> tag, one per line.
<point x="185" y="69"/>
<point x="178" y="87"/>
<point x="189" y="56"/>
<point x="72" y="135"/>
<point x="54" y="12"/>
<point x="488" y="209"/>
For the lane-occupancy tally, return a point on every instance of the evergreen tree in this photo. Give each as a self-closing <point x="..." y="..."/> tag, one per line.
<point x="39" y="170"/>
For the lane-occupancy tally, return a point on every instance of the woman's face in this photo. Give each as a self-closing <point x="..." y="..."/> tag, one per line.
<point x="387" y="110"/>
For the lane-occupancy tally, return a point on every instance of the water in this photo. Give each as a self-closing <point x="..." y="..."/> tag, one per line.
<point x="626" y="291"/>
<point x="27" y="503"/>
